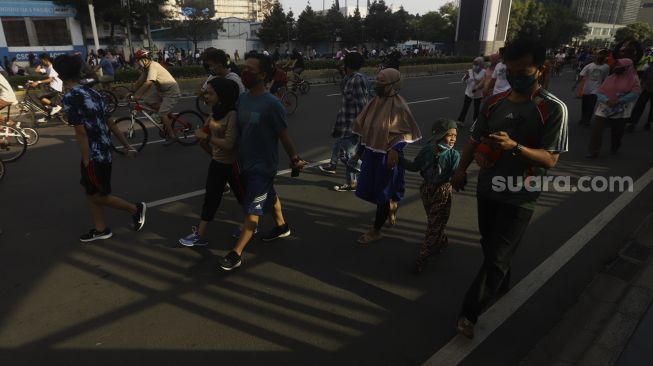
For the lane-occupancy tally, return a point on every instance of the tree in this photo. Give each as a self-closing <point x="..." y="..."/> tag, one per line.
<point x="353" y="32"/>
<point x="553" y="23"/>
<point x="378" y="23"/>
<point x="400" y="30"/>
<point x="449" y="13"/>
<point x="639" y="31"/>
<point x="310" y="27"/>
<point x="196" y="23"/>
<point x="274" y="29"/>
<point x="432" y="27"/>
<point x="334" y="23"/>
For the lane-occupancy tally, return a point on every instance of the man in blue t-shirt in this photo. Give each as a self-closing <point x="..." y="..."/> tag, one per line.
<point x="86" y="113"/>
<point x="106" y="64"/>
<point x="262" y="124"/>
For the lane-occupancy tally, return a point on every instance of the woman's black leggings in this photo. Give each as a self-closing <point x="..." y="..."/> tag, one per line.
<point x="219" y="175"/>
<point x="382" y="213"/>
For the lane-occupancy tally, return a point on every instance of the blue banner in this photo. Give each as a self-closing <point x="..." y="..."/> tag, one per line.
<point x="34" y="9"/>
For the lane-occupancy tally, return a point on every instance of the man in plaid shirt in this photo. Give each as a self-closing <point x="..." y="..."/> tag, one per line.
<point x="355" y="95"/>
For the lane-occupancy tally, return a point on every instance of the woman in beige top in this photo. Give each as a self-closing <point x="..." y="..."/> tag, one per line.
<point x="219" y="139"/>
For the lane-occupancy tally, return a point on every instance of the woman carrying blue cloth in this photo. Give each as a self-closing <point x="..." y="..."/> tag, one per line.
<point x="385" y="126"/>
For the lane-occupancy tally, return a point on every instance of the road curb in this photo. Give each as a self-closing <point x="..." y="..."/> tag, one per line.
<point x="596" y="330"/>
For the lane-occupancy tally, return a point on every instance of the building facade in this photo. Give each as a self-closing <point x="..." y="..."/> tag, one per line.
<point x="645" y="14"/>
<point x="482" y="26"/>
<point x="38" y="27"/>
<point x="607" y="11"/>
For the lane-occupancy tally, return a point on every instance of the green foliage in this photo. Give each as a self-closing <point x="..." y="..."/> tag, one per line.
<point x="353" y="33"/>
<point x="274" y="29"/>
<point x="639" y="31"/>
<point x="311" y="27"/>
<point x="552" y="23"/>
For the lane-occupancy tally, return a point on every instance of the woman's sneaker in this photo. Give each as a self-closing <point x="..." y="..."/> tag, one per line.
<point x="230" y="261"/>
<point x="277" y="232"/>
<point x="94" y="235"/>
<point x="194" y="239"/>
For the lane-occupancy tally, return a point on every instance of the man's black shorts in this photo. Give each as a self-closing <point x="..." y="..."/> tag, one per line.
<point x="96" y="178"/>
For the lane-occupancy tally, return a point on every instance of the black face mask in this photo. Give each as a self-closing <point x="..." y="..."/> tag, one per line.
<point x="619" y="70"/>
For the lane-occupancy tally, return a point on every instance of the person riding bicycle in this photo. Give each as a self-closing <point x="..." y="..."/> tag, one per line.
<point x="279" y="80"/>
<point x="296" y="64"/>
<point x="7" y="98"/>
<point x="53" y="90"/>
<point x="106" y="66"/>
<point x="166" y="94"/>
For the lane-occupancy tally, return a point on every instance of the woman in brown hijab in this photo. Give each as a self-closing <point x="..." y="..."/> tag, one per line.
<point x="385" y="126"/>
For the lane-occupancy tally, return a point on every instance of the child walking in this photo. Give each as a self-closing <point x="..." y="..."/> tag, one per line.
<point x="436" y="163"/>
<point x="87" y="114"/>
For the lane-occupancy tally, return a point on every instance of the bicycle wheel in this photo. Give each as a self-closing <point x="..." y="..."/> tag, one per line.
<point x="11" y="147"/>
<point x="26" y="116"/>
<point x="201" y="106"/>
<point x="136" y="135"/>
<point x="122" y="94"/>
<point x="304" y="87"/>
<point x="290" y="102"/>
<point x="31" y="135"/>
<point x="3" y="170"/>
<point x="184" y="124"/>
<point x="110" y="101"/>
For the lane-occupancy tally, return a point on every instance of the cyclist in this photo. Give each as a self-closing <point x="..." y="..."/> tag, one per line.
<point x="167" y="90"/>
<point x="106" y="66"/>
<point x="279" y="80"/>
<point x="7" y="98"/>
<point x="296" y="64"/>
<point x="49" y="98"/>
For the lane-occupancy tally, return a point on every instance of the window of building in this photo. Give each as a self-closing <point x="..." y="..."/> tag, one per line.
<point x="52" y="32"/>
<point x="15" y="31"/>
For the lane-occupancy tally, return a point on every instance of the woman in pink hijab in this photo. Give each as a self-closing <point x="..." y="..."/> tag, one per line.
<point x="616" y="98"/>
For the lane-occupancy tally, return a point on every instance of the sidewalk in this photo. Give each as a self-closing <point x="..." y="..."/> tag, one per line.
<point x="612" y="322"/>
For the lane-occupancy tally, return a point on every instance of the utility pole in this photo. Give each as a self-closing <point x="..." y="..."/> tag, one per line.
<point x="91" y="13"/>
<point x="129" y="29"/>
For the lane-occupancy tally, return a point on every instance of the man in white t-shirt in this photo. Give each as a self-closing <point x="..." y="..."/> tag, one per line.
<point x="499" y="82"/>
<point x="594" y="74"/>
<point x="7" y="96"/>
<point x="217" y="64"/>
<point x="51" y="96"/>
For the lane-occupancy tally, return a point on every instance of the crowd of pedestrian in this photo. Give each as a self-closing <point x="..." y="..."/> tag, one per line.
<point x="519" y="130"/>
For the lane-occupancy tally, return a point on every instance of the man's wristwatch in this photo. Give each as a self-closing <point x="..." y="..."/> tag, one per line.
<point x="517" y="150"/>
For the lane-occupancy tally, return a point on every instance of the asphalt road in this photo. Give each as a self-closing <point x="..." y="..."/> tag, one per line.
<point x="316" y="298"/>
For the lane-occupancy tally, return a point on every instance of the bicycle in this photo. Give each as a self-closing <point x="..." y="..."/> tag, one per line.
<point x="12" y="143"/>
<point x="298" y="82"/>
<point x="30" y="106"/>
<point x="110" y="99"/>
<point x="183" y="123"/>
<point x="288" y="99"/>
<point x="31" y="135"/>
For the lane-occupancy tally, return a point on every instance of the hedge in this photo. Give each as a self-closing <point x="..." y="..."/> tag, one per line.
<point x="17" y="80"/>
<point x="193" y="71"/>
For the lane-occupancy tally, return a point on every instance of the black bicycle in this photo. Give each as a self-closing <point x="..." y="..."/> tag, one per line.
<point x="31" y="111"/>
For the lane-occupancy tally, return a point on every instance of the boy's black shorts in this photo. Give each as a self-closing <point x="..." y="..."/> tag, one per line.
<point x="96" y="178"/>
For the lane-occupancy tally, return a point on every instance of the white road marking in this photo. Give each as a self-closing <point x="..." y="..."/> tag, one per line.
<point x="428" y="100"/>
<point x="200" y="192"/>
<point x="333" y="95"/>
<point x="460" y="347"/>
<point x="455" y="82"/>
